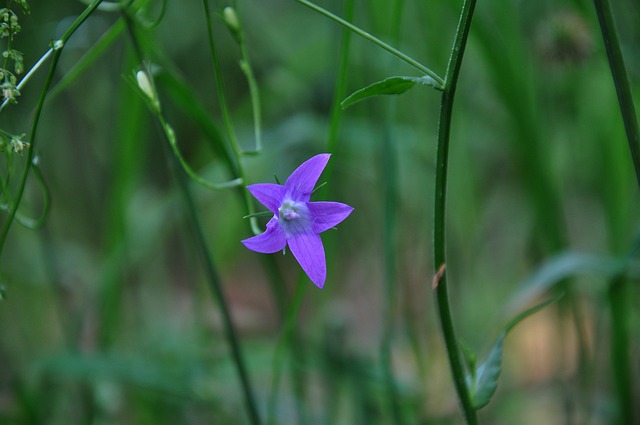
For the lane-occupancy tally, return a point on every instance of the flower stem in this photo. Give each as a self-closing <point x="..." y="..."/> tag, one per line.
<point x="374" y="40"/>
<point x="444" y="129"/>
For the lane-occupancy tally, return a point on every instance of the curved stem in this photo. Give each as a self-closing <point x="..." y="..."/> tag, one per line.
<point x="374" y="40"/>
<point x="57" y="50"/>
<point x="439" y="217"/>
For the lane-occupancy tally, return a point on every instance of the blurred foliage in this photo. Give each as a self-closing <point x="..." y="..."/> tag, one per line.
<point x="105" y="312"/>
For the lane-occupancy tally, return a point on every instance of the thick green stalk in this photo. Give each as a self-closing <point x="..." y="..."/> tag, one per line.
<point x="619" y="305"/>
<point x="439" y="218"/>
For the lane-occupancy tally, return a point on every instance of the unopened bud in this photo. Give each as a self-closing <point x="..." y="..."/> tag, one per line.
<point x="230" y="17"/>
<point x="145" y="84"/>
<point x="147" y="88"/>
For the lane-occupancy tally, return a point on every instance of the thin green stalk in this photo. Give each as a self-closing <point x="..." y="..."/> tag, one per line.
<point x="335" y="120"/>
<point x="619" y="310"/>
<point x="287" y="334"/>
<point x="210" y="269"/>
<point x="30" y="152"/>
<point x="89" y="58"/>
<point x="389" y="237"/>
<point x="216" y="286"/>
<point x="254" y="92"/>
<point x="57" y="45"/>
<point x="439" y="218"/>
<point x="618" y="298"/>
<point x="57" y="51"/>
<point x="374" y="40"/>
<point x="621" y="80"/>
<point x="226" y="116"/>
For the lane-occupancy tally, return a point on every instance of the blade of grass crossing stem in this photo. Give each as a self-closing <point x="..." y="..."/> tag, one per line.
<point x="439" y="217"/>
<point x="89" y="58"/>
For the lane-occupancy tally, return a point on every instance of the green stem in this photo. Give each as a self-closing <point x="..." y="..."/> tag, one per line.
<point x="621" y="80"/>
<point x="618" y="296"/>
<point x="210" y="269"/>
<point x="439" y="218"/>
<point x="341" y="85"/>
<point x="57" y="51"/>
<point x="254" y="92"/>
<point x="226" y="116"/>
<point x="389" y="236"/>
<point x="288" y="332"/>
<point x="374" y="40"/>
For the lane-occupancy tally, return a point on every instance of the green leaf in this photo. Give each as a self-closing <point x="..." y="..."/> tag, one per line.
<point x="391" y="85"/>
<point x="569" y="264"/>
<point x="484" y="380"/>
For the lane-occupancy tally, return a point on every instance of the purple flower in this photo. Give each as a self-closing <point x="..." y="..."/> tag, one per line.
<point x="296" y="221"/>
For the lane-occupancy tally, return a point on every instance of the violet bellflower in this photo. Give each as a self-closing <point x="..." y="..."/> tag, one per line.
<point x="296" y="221"/>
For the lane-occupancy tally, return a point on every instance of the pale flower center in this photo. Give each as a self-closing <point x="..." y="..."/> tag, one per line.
<point x="289" y="210"/>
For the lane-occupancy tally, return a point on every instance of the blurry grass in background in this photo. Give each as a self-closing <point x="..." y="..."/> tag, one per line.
<point x="108" y="316"/>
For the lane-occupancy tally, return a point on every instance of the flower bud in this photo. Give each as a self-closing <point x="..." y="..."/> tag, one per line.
<point x="230" y="18"/>
<point x="147" y="88"/>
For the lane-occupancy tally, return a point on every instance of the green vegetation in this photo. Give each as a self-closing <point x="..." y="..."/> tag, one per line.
<point x="491" y="152"/>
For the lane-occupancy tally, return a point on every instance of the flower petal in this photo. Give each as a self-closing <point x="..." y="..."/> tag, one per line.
<point x="301" y="182"/>
<point x="308" y="250"/>
<point x="270" y="195"/>
<point x="272" y="240"/>
<point x="326" y="215"/>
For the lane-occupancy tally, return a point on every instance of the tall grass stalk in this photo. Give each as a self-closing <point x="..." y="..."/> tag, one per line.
<point x="56" y="49"/>
<point x="439" y="218"/>
<point x="389" y="237"/>
<point x="518" y="94"/>
<point x="618" y="296"/>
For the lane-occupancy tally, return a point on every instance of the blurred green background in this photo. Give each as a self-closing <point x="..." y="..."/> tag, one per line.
<point x="108" y="317"/>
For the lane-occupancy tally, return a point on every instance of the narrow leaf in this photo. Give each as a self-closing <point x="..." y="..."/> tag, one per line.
<point x="570" y="264"/>
<point x="485" y="380"/>
<point x="391" y="85"/>
<point x="486" y="377"/>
